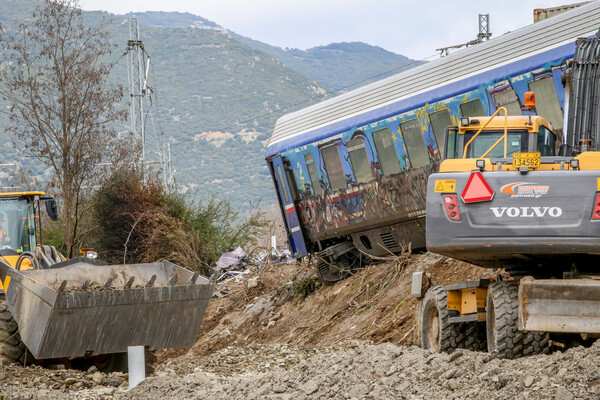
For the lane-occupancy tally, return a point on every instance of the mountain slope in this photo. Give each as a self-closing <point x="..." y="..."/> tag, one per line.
<point x="338" y="66"/>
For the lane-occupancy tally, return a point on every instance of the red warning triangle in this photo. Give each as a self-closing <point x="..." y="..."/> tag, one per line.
<point x="477" y="189"/>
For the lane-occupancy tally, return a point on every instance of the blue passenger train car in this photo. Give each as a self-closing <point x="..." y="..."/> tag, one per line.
<point x="351" y="172"/>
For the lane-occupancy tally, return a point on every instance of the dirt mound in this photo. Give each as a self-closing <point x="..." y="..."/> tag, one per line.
<point x="289" y="305"/>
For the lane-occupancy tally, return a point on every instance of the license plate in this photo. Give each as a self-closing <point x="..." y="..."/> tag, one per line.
<point x="530" y="160"/>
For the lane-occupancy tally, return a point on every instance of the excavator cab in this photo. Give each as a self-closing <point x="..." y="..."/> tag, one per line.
<point x="482" y="137"/>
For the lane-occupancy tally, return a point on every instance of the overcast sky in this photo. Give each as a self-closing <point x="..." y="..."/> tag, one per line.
<point x="408" y="27"/>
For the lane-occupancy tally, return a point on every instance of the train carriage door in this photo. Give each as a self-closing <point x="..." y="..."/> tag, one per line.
<point x="287" y="204"/>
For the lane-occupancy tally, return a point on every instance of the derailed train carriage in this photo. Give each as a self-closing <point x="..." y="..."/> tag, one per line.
<point x="351" y="172"/>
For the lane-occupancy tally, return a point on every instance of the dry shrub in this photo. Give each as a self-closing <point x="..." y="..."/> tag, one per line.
<point x="140" y="222"/>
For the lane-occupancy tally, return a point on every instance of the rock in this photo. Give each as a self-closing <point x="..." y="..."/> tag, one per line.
<point x="358" y="390"/>
<point x="92" y="369"/>
<point x="449" y="374"/>
<point x="454" y="356"/>
<point x="279" y="389"/>
<point x="97" y="377"/>
<point x="111" y="382"/>
<point x="594" y="375"/>
<point x="70" y="381"/>
<point x="500" y="382"/>
<point x="310" y="387"/>
<point x="253" y="282"/>
<point x="105" y="391"/>
<point x="563" y="394"/>
<point x="528" y="381"/>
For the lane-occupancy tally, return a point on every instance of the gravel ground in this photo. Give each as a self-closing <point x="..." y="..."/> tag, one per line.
<point x="366" y="371"/>
<point x="349" y="371"/>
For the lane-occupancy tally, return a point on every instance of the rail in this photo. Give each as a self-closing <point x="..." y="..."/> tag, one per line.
<point x="504" y="137"/>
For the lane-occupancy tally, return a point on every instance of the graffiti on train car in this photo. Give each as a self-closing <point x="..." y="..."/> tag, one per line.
<point x="400" y="195"/>
<point x="398" y="192"/>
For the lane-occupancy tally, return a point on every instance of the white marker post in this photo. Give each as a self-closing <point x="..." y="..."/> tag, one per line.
<point x="136" y="365"/>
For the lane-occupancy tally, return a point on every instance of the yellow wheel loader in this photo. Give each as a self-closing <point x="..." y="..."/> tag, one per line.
<point x="82" y="308"/>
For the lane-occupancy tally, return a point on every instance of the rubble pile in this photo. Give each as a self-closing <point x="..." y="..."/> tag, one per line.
<point x="36" y="382"/>
<point x="365" y="371"/>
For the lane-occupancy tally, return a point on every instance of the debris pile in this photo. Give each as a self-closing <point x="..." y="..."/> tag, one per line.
<point x="356" y="370"/>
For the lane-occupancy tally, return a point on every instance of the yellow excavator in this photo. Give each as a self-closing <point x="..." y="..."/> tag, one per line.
<point x="82" y="308"/>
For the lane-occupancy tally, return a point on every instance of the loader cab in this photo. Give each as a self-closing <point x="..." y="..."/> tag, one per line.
<point x="522" y="137"/>
<point x="19" y="220"/>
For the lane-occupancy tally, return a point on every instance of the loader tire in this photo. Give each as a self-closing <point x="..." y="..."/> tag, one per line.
<point x="436" y="332"/>
<point x="12" y="349"/>
<point x="117" y="362"/>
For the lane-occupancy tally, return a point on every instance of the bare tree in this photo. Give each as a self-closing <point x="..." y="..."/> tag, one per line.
<point x="62" y="109"/>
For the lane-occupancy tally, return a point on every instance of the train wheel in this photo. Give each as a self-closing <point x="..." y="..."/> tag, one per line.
<point x="330" y="273"/>
<point x="337" y="262"/>
<point x="436" y="332"/>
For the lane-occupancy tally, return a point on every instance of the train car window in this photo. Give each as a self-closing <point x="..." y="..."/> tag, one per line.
<point x="472" y="109"/>
<point x="439" y="122"/>
<point x="546" y="101"/>
<point x="359" y="160"/>
<point x="415" y="145"/>
<point x="508" y="98"/>
<point x="388" y="158"/>
<point x="312" y="175"/>
<point x="291" y="180"/>
<point x="333" y="167"/>
<point x="282" y="184"/>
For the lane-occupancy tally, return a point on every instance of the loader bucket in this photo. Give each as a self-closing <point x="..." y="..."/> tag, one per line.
<point x="81" y="307"/>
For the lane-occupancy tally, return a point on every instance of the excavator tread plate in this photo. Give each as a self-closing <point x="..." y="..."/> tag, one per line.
<point x="555" y="305"/>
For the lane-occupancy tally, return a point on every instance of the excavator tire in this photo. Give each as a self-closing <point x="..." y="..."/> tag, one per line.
<point x="436" y="332"/>
<point x="12" y="349"/>
<point x="536" y="343"/>
<point x="503" y="334"/>
<point x="475" y="336"/>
